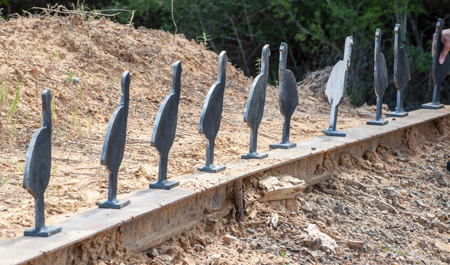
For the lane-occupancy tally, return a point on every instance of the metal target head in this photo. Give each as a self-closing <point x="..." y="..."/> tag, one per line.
<point x="380" y="80"/>
<point x="114" y="145"/>
<point x="288" y="97"/>
<point x="254" y="108"/>
<point x="212" y="115"/>
<point x="401" y="73"/>
<point x="165" y="128"/>
<point x="439" y="71"/>
<point x="38" y="167"/>
<point x="336" y="87"/>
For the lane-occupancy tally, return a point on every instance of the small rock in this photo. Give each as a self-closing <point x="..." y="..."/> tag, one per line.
<point x="391" y="192"/>
<point x="250" y="231"/>
<point x="441" y="225"/>
<point x="214" y="259"/>
<point x="211" y="221"/>
<point x="356" y="244"/>
<point x="420" y="203"/>
<point x="424" y="221"/>
<point x="430" y="216"/>
<point x="198" y="247"/>
<point x="153" y="252"/>
<point x="227" y="239"/>
<point x="379" y="166"/>
<point x="237" y="233"/>
<point x="165" y="257"/>
<point x="188" y="261"/>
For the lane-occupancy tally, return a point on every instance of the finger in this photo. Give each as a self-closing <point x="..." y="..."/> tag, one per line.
<point x="444" y="52"/>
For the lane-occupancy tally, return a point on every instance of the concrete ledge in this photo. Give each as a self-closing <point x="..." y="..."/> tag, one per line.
<point x="155" y="215"/>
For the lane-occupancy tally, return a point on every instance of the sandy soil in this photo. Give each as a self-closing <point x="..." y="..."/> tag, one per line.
<point x="390" y="206"/>
<point x="37" y="53"/>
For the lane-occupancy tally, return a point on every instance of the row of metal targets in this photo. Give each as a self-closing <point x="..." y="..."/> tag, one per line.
<point x="38" y="163"/>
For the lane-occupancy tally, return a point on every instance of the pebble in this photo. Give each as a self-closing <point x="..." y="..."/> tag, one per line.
<point x="379" y="166"/>
<point x="227" y="239"/>
<point x="154" y="252"/>
<point x="188" y="261"/>
<point x="198" y="247"/>
<point x="430" y="216"/>
<point x="165" y="257"/>
<point x="250" y="231"/>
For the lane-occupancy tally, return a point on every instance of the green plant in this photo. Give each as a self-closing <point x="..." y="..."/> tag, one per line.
<point x="14" y="103"/>
<point x="57" y="191"/>
<point x="54" y="170"/>
<point x="135" y="157"/>
<point x="70" y="77"/>
<point x="4" y="181"/>
<point x="204" y="38"/>
<point x="21" y="168"/>
<point x="80" y="92"/>
<point x="12" y="132"/>
<point x="57" y="55"/>
<point x="385" y="247"/>
<point x="258" y="65"/>
<point x="283" y="255"/>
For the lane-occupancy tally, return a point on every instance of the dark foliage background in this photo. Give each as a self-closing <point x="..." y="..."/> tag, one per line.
<point x="314" y="30"/>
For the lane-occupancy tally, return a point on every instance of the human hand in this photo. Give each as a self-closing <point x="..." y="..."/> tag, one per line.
<point x="445" y="38"/>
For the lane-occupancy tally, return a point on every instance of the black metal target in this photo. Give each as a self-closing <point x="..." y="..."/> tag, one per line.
<point x="38" y="167"/>
<point x="288" y="97"/>
<point x="165" y="128"/>
<point x="212" y="115"/>
<point x="254" y="109"/>
<point x="114" y="145"/>
<point x="380" y="80"/>
<point x="439" y="71"/>
<point x="401" y="73"/>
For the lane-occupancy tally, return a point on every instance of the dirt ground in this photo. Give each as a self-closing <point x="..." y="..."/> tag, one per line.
<point x="390" y="206"/>
<point x="47" y="51"/>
